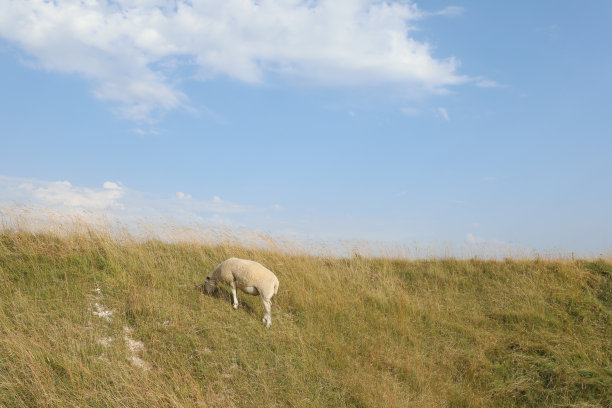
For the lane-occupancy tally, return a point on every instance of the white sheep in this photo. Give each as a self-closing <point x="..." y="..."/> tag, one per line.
<point x="250" y="277"/>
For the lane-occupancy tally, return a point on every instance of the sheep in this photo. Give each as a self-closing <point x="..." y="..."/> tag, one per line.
<point x="250" y="277"/>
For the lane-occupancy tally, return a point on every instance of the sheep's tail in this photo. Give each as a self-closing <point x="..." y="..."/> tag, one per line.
<point x="276" y="287"/>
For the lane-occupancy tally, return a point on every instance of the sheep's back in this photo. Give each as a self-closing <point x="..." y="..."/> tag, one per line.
<point x="250" y="273"/>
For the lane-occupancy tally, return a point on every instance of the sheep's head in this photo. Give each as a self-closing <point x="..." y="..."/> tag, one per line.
<point x="210" y="285"/>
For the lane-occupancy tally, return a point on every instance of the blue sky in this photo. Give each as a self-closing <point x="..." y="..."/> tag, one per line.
<point x="462" y="122"/>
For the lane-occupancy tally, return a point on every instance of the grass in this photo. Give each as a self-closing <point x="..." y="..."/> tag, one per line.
<point x="346" y="332"/>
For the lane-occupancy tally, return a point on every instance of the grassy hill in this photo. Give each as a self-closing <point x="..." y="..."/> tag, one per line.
<point x="86" y="320"/>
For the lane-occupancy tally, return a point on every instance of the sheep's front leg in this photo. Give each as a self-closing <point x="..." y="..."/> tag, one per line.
<point x="267" y="319"/>
<point x="234" y="296"/>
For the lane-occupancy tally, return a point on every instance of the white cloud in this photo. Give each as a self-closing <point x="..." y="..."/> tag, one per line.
<point x="110" y="185"/>
<point x="136" y="52"/>
<point x="443" y="113"/>
<point x="64" y="194"/>
<point x="182" y="196"/>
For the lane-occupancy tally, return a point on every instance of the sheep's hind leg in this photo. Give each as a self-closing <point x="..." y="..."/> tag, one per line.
<point x="267" y="319"/>
<point x="234" y="296"/>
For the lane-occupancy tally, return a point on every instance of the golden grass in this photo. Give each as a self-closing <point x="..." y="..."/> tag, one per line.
<point x="346" y="332"/>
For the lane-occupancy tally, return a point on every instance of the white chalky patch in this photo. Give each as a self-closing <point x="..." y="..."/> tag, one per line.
<point x="134" y="346"/>
<point x="105" y="341"/>
<point x="95" y="295"/>
<point x="102" y="312"/>
<point x="139" y="362"/>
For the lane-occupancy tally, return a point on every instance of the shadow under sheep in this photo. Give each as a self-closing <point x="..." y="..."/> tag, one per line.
<point x="225" y="295"/>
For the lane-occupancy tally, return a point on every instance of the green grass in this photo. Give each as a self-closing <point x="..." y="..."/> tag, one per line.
<point x="358" y="332"/>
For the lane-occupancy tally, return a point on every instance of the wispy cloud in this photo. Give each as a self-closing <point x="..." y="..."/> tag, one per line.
<point x="443" y="113"/>
<point x="483" y="82"/>
<point x="451" y="11"/>
<point x="145" y="132"/>
<point x="135" y="53"/>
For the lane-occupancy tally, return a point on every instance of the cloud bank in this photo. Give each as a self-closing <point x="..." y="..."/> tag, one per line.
<point x="136" y="52"/>
<point x="126" y="204"/>
<point x="40" y="205"/>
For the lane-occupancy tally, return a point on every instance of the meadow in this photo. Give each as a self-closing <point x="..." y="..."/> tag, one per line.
<point x="87" y="319"/>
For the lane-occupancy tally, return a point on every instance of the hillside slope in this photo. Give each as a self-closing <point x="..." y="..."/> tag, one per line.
<point x="88" y="321"/>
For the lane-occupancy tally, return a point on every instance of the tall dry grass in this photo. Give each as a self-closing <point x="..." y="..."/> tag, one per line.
<point x="97" y="317"/>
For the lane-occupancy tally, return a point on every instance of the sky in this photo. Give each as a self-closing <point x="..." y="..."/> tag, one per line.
<point x="444" y="123"/>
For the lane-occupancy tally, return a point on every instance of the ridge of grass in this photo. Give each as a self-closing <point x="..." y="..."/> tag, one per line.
<point x="346" y="332"/>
